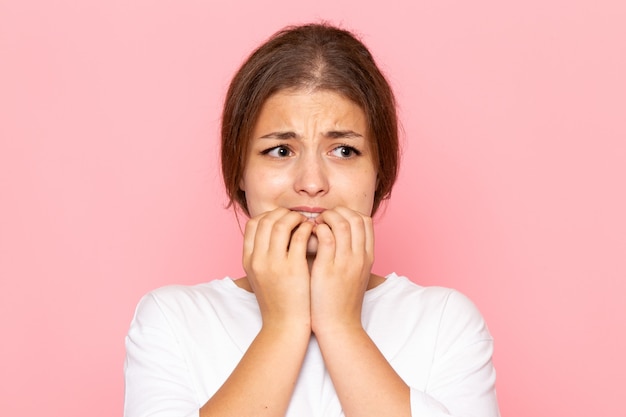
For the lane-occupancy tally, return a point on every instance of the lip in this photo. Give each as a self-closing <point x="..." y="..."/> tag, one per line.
<point x="310" y="212"/>
<point x="307" y="209"/>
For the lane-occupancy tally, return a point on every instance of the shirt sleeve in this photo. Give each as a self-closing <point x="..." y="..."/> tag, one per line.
<point x="157" y="378"/>
<point x="462" y="380"/>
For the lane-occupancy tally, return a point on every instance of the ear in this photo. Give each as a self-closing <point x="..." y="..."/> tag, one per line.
<point x="242" y="185"/>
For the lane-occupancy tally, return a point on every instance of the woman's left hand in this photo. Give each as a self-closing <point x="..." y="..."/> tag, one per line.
<point x="341" y="270"/>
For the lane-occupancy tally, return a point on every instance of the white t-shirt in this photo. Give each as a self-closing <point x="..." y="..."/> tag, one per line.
<point x="185" y="341"/>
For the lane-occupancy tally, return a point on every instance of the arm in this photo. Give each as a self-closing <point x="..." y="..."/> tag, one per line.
<point x="461" y="378"/>
<point x="156" y="376"/>
<point x="277" y="271"/>
<point x="262" y="383"/>
<point x="158" y="379"/>
<point x="365" y="382"/>
<point x="157" y="373"/>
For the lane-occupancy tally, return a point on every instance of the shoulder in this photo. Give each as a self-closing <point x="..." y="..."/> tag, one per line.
<point x="173" y="295"/>
<point x="453" y="311"/>
<point x="186" y="301"/>
<point x="399" y="289"/>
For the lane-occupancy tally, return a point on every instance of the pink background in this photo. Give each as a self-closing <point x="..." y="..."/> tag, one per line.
<point x="513" y="188"/>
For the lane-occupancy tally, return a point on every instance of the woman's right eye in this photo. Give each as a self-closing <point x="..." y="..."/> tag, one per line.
<point x="278" y="152"/>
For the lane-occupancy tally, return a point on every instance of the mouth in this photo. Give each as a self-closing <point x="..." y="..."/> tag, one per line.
<point x="308" y="214"/>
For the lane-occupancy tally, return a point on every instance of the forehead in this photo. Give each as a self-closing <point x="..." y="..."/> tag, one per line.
<point x="297" y="109"/>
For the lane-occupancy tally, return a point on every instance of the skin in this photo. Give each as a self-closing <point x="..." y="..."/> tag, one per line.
<point x="310" y="152"/>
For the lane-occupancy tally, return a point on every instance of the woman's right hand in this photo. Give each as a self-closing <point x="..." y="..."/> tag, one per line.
<point x="274" y="258"/>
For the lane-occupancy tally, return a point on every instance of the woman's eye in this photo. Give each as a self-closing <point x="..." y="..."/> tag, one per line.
<point x="278" y="152"/>
<point x="345" y="151"/>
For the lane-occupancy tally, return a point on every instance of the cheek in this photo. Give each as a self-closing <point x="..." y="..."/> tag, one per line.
<point x="360" y="199"/>
<point x="368" y="193"/>
<point x="263" y="191"/>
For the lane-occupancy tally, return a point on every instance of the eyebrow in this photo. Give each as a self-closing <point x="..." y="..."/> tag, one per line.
<point x="332" y="134"/>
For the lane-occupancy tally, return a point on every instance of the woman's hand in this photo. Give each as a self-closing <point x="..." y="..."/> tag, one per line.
<point x="274" y="258"/>
<point x="365" y="382"/>
<point x="341" y="269"/>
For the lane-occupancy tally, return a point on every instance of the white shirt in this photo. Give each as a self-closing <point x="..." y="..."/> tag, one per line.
<point x="185" y="341"/>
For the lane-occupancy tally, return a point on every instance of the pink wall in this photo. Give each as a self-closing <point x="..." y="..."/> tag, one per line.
<point x="513" y="187"/>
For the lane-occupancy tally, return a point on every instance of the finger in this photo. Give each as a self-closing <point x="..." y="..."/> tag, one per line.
<point x="281" y="232"/>
<point x="369" y="237"/>
<point x="248" y="239"/>
<point x="264" y="229"/>
<point x="347" y="227"/>
<point x="358" y="227"/>
<point x="325" y="244"/>
<point x="299" y="240"/>
<point x="258" y="231"/>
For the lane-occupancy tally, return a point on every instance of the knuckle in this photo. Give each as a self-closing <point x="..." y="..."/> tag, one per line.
<point x="282" y="227"/>
<point x="264" y="221"/>
<point x="343" y="226"/>
<point x="358" y="222"/>
<point x="255" y="264"/>
<point x="251" y="225"/>
<point x="326" y="239"/>
<point x="299" y="238"/>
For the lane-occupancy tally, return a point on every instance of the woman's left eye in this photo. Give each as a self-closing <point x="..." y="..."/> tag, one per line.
<point x="344" y="151"/>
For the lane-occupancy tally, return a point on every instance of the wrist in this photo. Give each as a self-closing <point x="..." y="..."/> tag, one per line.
<point x="334" y="329"/>
<point x="287" y="325"/>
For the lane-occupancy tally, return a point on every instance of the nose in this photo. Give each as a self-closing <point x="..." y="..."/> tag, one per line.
<point x="311" y="176"/>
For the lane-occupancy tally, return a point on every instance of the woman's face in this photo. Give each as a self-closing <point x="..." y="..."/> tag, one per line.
<point x="309" y="152"/>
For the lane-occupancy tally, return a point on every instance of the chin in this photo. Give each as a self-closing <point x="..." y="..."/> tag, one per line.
<point x="311" y="247"/>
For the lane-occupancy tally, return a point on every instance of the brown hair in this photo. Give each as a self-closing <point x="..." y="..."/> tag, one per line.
<point x="313" y="56"/>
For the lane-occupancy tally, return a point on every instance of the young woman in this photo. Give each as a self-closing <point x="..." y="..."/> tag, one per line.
<point x="309" y="151"/>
